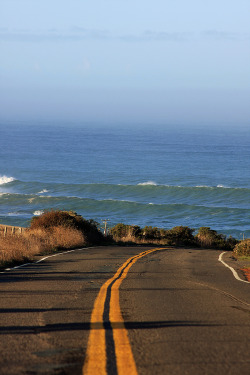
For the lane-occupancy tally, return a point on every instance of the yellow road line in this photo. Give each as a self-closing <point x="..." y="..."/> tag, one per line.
<point x="95" y="362"/>
<point x="96" y="357"/>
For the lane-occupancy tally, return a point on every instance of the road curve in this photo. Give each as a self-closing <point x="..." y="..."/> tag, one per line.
<point x="180" y="311"/>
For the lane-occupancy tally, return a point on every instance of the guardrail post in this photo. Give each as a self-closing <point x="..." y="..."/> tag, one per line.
<point x="10" y="230"/>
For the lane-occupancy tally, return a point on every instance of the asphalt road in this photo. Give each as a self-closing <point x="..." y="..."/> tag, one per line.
<point x="181" y="310"/>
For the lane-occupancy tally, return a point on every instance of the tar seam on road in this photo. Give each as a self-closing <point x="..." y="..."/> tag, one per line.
<point x="109" y="351"/>
<point x="233" y="271"/>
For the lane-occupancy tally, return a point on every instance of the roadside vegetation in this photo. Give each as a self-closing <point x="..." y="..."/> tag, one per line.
<point x="242" y="249"/>
<point x="48" y="233"/>
<point x="70" y="220"/>
<point x="15" y="249"/>
<point x="177" y="236"/>
<point x="60" y="230"/>
<point x="241" y="252"/>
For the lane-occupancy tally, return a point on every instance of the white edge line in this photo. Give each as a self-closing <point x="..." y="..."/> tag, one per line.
<point x="54" y="255"/>
<point x="233" y="270"/>
<point x="41" y="260"/>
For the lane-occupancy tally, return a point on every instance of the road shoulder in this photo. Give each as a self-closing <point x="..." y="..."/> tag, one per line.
<point x="239" y="265"/>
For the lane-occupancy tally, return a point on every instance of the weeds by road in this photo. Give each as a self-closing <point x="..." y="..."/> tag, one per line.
<point x="23" y="247"/>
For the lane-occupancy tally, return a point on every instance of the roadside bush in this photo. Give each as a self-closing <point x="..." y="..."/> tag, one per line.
<point x="180" y="236"/>
<point x="231" y="242"/>
<point x="119" y="231"/>
<point x="151" y="233"/>
<point x="136" y="231"/>
<point x="50" y="219"/>
<point x="126" y="233"/>
<point x="242" y="248"/>
<point x="209" y="238"/>
<point x="177" y="236"/>
<point x="68" y="219"/>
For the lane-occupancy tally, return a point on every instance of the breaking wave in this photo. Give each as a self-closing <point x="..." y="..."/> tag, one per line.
<point x="142" y="204"/>
<point x="38" y="212"/>
<point x="152" y="183"/>
<point x="5" y="180"/>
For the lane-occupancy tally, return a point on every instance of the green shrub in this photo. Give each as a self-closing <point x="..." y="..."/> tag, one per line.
<point x="231" y="242"/>
<point x="209" y="238"/>
<point x="151" y="233"/>
<point x="177" y="236"/>
<point x="119" y="231"/>
<point x="180" y="236"/>
<point x="68" y="219"/>
<point x="242" y="248"/>
<point x="136" y="231"/>
<point x="129" y="232"/>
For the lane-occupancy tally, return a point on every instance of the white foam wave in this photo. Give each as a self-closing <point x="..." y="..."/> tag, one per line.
<point x="14" y="214"/>
<point x="43" y="191"/>
<point x="223" y="186"/>
<point x="115" y="200"/>
<point x="6" y="180"/>
<point x="211" y="187"/>
<point x="38" y="213"/>
<point x="152" y="183"/>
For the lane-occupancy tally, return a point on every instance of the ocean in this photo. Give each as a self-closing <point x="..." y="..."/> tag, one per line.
<point x="161" y="176"/>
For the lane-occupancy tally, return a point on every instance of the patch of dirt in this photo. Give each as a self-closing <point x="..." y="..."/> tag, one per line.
<point x="246" y="272"/>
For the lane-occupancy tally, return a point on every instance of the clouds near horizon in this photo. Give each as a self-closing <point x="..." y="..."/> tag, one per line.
<point x="77" y="33"/>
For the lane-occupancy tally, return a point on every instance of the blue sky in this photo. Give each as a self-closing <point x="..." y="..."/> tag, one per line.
<point x="161" y="61"/>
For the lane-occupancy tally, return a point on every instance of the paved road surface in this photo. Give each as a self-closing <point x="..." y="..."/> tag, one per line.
<point x="184" y="313"/>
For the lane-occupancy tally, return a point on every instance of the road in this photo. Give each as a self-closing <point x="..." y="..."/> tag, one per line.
<point x="181" y="311"/>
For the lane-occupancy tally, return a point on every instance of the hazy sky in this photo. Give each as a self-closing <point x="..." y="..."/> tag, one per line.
<point x="161" y="61"/>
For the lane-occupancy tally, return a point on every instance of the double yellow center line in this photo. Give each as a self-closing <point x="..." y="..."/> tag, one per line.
<point x="109" y="351"/>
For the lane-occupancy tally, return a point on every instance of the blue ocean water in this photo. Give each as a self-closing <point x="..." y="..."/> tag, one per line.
<point x="159" y="176"/>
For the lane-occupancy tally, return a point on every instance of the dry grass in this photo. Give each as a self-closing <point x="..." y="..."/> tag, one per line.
<point x="139" y="241"/>
<point x="23" y="247"/>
